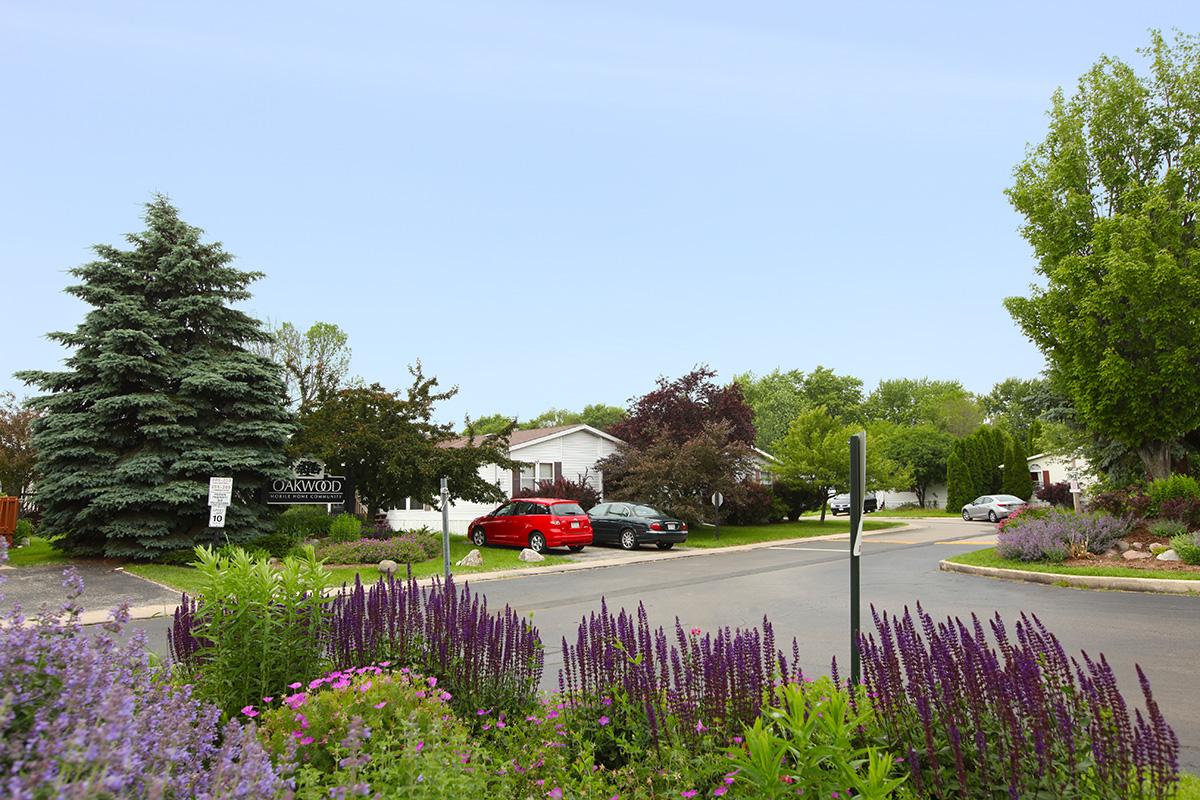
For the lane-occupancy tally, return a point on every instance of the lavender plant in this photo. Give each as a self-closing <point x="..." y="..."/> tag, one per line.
<point x="83" y="715"/>
<point x="485" y="659"/>
<point x="686" y="686"/>
<point x="403" y="549"/>
<point x="1019" y="719"/>
<point x="1056" y="534"/>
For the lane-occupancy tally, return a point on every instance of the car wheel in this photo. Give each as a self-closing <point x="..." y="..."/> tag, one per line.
<point x="991" y="516"/>
<point x="537" y="542"/>
<point x="966" y="515"/>
<point x="629" y="540"/>
<point x="665" y="545"/>
<point x="478" y="537"/>
<point x="575" y="548"/>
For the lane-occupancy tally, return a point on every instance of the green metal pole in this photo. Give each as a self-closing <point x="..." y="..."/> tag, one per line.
<point x="858" y="479"/>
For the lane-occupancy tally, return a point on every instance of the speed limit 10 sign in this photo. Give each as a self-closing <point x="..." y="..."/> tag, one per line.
<point x="216" y="516"/>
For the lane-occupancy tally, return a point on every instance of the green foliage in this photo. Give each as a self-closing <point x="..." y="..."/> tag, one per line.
<point x="778" y="397"/>
<point x="959" y="483"/>
<point x="407" y="548"/>
<point x="1016" y="470"/>
<point x="159" y="393"/>
<point x="259" y="627"/>
<point x="798" y="497"/>
<point x="292" y="527"/>
<point x="923" y="450"/>
<point x="973" y="468"/>
<point x="1167" y="528"/>
<point x="1187" y="547"/>
<point x="945" y="405"/>
<point x="598" y="415"/>
<point x="345" y="528"/>
<point x="390" y="731"/>
<point x="314" y="362"/>
<point x="389" y="446"/>
<point x="1016" y="404"/>
<point x="816" y="740"/>
<point x="23" y="533"/>
<point x="1111" y="200"/>
<point x="18" y="458"/>
<point x="816" y="451"/>
<point x="489" y="425"/>
<point x="1173" y="487"/>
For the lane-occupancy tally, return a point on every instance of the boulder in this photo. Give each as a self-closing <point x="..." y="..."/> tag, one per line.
<point x="1158" y="548"/>
<point x="1138" y="545"/>
<point x="1121" y="545"/>
<point x="531" y="555"/>
<point x="388" y="567"/>
<point x="1169" y="555"/>
<point x="471" y="559"/>
<point x="1112" y="552"/>
<point x="1135" y="555"/>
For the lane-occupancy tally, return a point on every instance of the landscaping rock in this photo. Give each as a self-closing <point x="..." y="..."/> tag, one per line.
<point x="1158" y="549"/>
<point x="1169" y="555"/>
<point x="1121" y="545"/>
<point x="1135" y="555"/>
<point x="1113" y="552"/>
<point x="1138" y="545"/>
<point x="275" y="564"/>
<point x="388" y="567"/>
<point x="471" y="559"/>
<point x="531" y="555"/>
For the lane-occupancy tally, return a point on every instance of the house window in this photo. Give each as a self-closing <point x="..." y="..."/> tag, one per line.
<point x="532" y="474"/>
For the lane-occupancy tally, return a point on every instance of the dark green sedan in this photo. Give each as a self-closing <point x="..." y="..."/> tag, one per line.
<point x="629" y="525"/>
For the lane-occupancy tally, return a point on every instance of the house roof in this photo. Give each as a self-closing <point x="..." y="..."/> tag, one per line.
<point x="525" y="438"/>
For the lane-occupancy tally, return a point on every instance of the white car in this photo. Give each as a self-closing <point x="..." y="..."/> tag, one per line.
<point x="992" y="507"/>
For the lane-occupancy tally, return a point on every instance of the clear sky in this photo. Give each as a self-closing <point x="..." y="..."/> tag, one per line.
<point x="551" y="204"/>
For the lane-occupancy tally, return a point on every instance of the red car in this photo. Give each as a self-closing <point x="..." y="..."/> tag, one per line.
<point x="536" y="523"/>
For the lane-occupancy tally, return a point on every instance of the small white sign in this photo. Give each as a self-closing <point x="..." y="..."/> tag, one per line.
<point x="857" y="535"/>
<point x="718" y="499"/>
<point x="216" y="517"/>
<point x="220" y="492"/>
<point x="1074" y="487"/>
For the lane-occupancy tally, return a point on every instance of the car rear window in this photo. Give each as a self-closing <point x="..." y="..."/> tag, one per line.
<point x="566" y="509"/>
<point x="647" y="511"/>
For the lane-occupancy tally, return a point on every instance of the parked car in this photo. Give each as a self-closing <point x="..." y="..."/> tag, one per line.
<point x="534" y="522"/>
<point x="629" y="525"/>
<point x="841" y="504"/>
<point x="992" y="507"/>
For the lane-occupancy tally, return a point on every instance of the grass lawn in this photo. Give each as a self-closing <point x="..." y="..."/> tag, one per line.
<point x="187" y="579"/>
<point x="1189" y="787"/>
<point x="990" y="558"/>
<point x="39" y="551"/>
<point x="913" y="511"/>
<point x="748" y="534"/>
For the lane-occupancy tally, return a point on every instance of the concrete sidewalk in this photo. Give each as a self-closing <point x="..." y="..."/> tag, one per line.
<point x="105" y="587"/>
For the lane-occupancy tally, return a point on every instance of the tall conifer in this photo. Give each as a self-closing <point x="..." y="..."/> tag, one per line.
<point x="159" y="393"/>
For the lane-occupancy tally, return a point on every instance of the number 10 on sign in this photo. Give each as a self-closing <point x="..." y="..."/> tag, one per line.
<point x="216" y="516"/>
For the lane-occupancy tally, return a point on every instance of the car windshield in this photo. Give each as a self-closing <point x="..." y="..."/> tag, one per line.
<point x="841" y="498"/>
<point x="647" y="511"/>
<point x="566" y="509"/>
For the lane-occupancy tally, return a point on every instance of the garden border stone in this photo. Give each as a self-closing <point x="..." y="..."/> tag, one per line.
<point x="1104" y="582"/>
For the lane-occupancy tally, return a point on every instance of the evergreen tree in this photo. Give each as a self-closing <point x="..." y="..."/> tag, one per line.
<point x="959" y="488"/>
<point x="159" y="394"/>
<point x="1016" y="470"/>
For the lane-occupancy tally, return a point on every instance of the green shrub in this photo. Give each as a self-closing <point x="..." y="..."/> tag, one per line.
<point x="1187" y="547"/>
<point x="1175" y="487"/>
<point x="23" y="533"/>
<point x="292" y="527"/>
<point x="406" y="548"/>
<point x="345" y="528"/>
<point x="257" y="627"/>
<point x="1168" y="528"/>
<point x="392" y="732"/>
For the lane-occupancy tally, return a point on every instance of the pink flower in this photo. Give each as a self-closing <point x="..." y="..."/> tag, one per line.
<point x="432" y="682"/>
<point x="268" y="699"/>
<point x="555" y="793"/>
<point x="365" y="687"/>
<point x="482" y="712"/>
<point x="249" y="711"/>
<point x="420" y="746"/>
<point x="388" y="664"/>
<point x="607" y="701"/>
<point x="306" y="740"/>
<point x="445" y="695"/>
<point x="296" y="685"/>
<point x="603" y="720"/>
<point x="700" y="727"/>
<point x="789" y="780"/>
<point x="696" y="631"/>
<point x="688" y="793"/>
<point x="381" y="704"/>
<point x="303" y="720"/>
<point x="720" y="790"/>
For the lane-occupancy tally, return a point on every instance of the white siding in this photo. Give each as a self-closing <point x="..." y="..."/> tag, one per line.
<point x="578" y="451"/>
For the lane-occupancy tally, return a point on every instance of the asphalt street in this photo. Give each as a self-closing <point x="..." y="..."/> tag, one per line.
<point x="803" y="589"/>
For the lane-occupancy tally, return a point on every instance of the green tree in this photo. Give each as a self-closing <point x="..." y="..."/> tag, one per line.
<point x="598" y="415"/>
<point x="1017" y="403"/>
<point x="315" y="362"/>
<point x="1016" y="470"/>
<point x="489" y="425"/>
<point x="776" y="399"/>
<point x="1111" y="200"/>
<point x="159" y="393"/>
<point x="905" y="401"/>
<point x="816" y="452"/>
<point x="18" y="459"/>
<point x="389" y="446"/>
<point x="923" y="450"/>
<point x="960" y="487"/>
<point x="840" y="395"/>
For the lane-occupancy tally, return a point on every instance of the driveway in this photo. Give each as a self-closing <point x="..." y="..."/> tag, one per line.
<point x="105" y="587"/>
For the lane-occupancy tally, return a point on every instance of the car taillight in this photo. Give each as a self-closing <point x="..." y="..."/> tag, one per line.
<point x="654" y="526"/>
<point x="683" y="526"/>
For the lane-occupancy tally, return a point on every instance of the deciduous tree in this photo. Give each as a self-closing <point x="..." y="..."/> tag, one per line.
<point x="18" y="459"/>
<point x="923" y="450"/>
<point x="315" y="363"/>
<point x="679" y="410"/>
<point x="1111" y="201"/>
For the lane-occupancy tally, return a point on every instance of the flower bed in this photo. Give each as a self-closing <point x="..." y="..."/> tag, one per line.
<point x="405" y="548"/>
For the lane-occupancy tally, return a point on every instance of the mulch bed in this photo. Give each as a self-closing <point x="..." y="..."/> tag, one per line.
<point x="1145" y="537"/>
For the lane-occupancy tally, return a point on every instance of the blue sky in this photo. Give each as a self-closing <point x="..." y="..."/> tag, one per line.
<point x="551" y="204"/>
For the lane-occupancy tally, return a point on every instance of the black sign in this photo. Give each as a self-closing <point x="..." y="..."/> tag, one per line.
<point x="296" y="491"/>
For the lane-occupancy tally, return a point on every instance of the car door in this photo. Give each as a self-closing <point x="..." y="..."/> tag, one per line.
<point x="535" y="517"/>
<point x="599" y="519"/>
<point x="495" y="526"/>
<point x="619" y="516"/>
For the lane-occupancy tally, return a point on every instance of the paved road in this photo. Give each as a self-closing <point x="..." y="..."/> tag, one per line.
<point x="802" y="588"/>
<point x="105" y="587"/>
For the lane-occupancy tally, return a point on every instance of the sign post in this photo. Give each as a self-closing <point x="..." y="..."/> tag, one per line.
<point x="445" y="492"/>
<point x="718" y="500"/>
<point x="858" y="481"/>
<point x="220" y="497"/>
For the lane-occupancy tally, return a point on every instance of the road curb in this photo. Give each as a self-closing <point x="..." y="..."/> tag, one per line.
<point x="1108" y="583"/>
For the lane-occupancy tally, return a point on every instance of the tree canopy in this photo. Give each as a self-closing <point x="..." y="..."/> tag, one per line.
<point x="18" y="459"/>
<point x="679" y="410"/>
<point x="315" y="363"/>
<point x="778" y="397"/>
<point x="388" y="445"/>
<point x="945" y="405"/>
<point x="922" y="450"/>
<point x="1111" y="199"/>
<point x="159" y="393"/>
